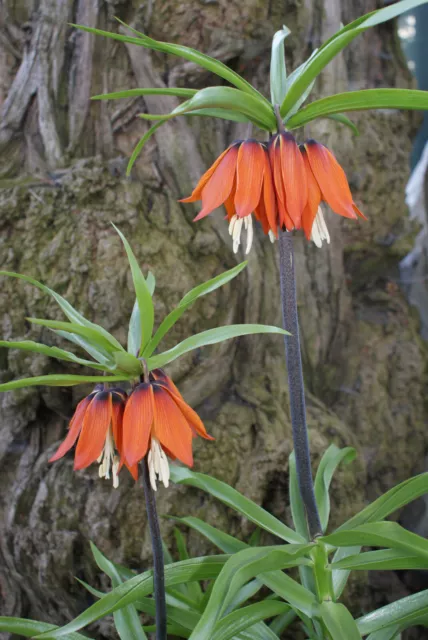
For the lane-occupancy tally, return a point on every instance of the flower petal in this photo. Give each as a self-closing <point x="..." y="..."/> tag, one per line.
<point x="250" y="168"/>
<point x="197" y="191"/>
<point x="331" y="179"/>
<point x="170" y="426"/>
<point x="269" y="199"/>
<point x="137" y="424"/>
<point x="75" y="427"/>
<point x="94" y="431"/>
<point x="218" y="187"/>
<point x="275" y="163"/>
<point x="191" y="416"/>
<point x="118" y="407"/>
<point x="314" y="197"/>
<point x="293" y="178"/>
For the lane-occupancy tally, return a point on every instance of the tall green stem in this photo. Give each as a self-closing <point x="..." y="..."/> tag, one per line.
<point x="158" y="563"/>
<point x="295" y="382"/>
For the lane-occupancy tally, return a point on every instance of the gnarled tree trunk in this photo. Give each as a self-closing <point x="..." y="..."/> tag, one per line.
<point x="62" y="161"/>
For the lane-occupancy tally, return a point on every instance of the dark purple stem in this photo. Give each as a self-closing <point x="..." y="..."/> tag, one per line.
<point x="158" y="563"/>
<point x="295" y="382"/>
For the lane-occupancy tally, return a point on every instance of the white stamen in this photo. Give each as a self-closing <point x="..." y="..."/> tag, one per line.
<point x="271" y="236"/>
<point x="108" y="460"/>
<point x="235" y="229"/>
<point x="250" y="234"/>
<point x="158" y="464"/>
<point x="319" y="230"/>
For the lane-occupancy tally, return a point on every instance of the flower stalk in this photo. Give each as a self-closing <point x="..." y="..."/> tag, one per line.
<point x="158" y="562"/>
<point x="295" y="382"/>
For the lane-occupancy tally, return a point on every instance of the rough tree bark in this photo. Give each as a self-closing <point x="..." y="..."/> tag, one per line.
<point x="62" y="161"/>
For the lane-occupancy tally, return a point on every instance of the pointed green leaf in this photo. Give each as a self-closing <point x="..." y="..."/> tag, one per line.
<point x="339" y="621"/>
<point x="380" y="534"/>
<point x="132" y="93"/>
<point x="240" y="568"/>
<point x="256" y="109"/>
<point x="339" y="117"/>
<point x="193" y="55"/>
<point x="193" y="589"/>
<point x="91" y="334"/>
<point x="336" y="43"/>
<point x="403" y="613"/>
<point x="213" y="65"/>
<point x="51" y="352"/>
<point x="391" y="501"/>
<point x="242" y="619"/>
<point x="212" y="336"/>
<point x="187" y="300"/>
<point x="297" y="508"/>
<point x="366" y="99"/>
<point x="142" y="292"/>
<point x="389" y="633"/>
<point x="134" y="331"/>
<point x="222" y="540"/>
<point x="235" y="500"/>
<point x="279" y="624"/>
<point x="71" y="313"/>
<point x="140" y="145"/>
<point x="58" y="380"/>
<point x="391" y="559"/>
<point x="151" y="282"/>
<point x="139" y="586"/>
<point x="224" y="114"/>
<point x="126" y="620"/>
<point x="331" y="459"/>
<point x="98" y="353"/>
<point x="278" y="73"/>
<point x="340" y="578"/>
<point x="128" y="363"/>
<point x="30" y="628"/>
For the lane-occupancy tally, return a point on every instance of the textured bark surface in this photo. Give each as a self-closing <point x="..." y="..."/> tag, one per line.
<point x="62" y="162"/>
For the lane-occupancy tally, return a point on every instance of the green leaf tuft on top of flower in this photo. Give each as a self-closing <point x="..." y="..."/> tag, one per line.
<point x="108" y="426"/>
<point x="286" y="185"/>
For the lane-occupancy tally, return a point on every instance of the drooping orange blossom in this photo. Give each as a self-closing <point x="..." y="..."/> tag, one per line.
<point x="282" y="183"/>
<point x="115" y="430"/>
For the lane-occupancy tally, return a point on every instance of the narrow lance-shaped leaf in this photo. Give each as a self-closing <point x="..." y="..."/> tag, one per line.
<point x="142" y="293"/>
<point x="364" y="100"/>
<point x="278" y="73"/>
<point x="386" y="559"/>
<point x="187" y="300"/>
<point x="132" y="93"/>
<point x="241" y="619"/>
<point x="89" y="333"/>
<point x="331" y="459"/>
<point x="403" y="613"/>
<point x="380" y="534"/>
<point x="126" y="620"/>
<point x="142" y="585"/>
<point x="339" y="621"/>
<point x="213" y="65"/>
<point x="71" y="313"/>
<point x="338" y="42"/>
<point x="58" y="380"/>
<point x="235" y="500"/>
<point x="237" y="571"/>
<point x="51" y="352"/>
<point x="255" y="109"/>
<point x="31" y="628"/>
<point x="212" y="336"/>
<point x="391" y="501"/>
<point x="140" y="144"/>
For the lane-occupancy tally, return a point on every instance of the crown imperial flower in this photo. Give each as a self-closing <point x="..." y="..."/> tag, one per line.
<point x="97" y="426"/>
<point x="159" y="423"/>
<point x="240" y="179"/>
